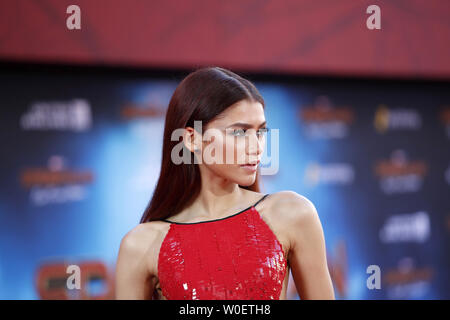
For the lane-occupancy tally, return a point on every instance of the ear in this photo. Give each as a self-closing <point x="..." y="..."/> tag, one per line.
<point x="192" y="139"/>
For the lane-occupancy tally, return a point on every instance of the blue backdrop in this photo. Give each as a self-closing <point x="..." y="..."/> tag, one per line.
<point x="81" y="155"/>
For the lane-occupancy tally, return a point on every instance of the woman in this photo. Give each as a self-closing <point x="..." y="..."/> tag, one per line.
<point x="224" y="239"/>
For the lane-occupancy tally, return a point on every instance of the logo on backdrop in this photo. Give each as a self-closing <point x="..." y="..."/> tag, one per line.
<point x="329" y="174"/>
<point x="132" y="111"/>
<point x="146" y="116"/>
<point x="88" y="280"/>
<point x="72" y="115"/>
<point x="55" y="184"/>
<point x="408" y="227"/>
<point x="445" y="118"/>
<point x="323" y="121"/>
<point x="389" y="119"/>
<point x="407" y="281"/>
<point x="399" y="174"/>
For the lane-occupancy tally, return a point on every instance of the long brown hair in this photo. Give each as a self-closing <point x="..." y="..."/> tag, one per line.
<point x="201" y="96"/>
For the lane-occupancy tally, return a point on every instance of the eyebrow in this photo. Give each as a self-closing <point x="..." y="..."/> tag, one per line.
<point x="245" y="125"/>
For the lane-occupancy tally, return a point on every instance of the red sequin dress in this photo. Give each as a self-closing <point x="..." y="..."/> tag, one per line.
<point x="237" y="257"/>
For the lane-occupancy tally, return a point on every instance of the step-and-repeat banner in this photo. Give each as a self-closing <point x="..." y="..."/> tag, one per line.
<point x="81" y="155"/>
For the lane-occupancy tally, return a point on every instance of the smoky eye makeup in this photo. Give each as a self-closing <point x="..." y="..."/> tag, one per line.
<point x="237" y="132"/>
<point x="241" y="132"/>
<point x="264" y="130"/>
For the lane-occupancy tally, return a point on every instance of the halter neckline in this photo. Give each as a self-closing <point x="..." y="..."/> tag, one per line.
<point x="230" y="216"/>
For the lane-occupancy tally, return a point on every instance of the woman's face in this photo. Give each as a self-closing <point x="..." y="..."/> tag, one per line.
<point x="235" y="139"/>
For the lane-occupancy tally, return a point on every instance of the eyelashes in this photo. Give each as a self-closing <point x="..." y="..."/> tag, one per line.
<point x="263" y="131"/>
<point x="241" y="132"/>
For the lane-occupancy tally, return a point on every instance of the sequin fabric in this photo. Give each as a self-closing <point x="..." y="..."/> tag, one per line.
<point x="238" y="257"/>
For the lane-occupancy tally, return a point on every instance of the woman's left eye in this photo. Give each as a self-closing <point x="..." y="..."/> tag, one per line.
<point x="242" y="132"/>
<point x="263" y="131"/>
<point x="238" y="132"/>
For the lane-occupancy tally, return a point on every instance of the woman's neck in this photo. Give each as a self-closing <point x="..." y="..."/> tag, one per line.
<point x="212" y="205"/>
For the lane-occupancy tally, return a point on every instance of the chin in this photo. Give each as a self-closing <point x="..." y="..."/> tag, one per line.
<point x="246" y="182"/>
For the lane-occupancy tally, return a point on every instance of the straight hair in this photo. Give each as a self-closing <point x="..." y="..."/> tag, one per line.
<point x="201" y="96"/>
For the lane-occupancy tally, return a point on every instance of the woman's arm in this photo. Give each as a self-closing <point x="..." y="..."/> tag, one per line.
<point x="132" y="278"/>
<point x="307" y="254"/>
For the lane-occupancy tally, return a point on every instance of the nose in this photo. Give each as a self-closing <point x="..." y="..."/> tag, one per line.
<point x="254" y="147"/>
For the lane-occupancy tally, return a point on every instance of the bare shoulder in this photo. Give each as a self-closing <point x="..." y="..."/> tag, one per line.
<point x="296" y="217"/>
<point x="287" y="213"/>
<point x="136" y="273"/>
<point x="290" y="206"/>
<point x="142" y="242"/>
<point x="144" y="235"/>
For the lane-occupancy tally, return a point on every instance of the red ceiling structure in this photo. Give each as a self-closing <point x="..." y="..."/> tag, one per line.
<point x="320" y="37"/>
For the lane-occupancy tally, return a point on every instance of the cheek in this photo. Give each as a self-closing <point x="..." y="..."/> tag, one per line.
<point x="263" y="144"/>
<point x="233" y="149"/>
<point x="214" y="155"/>
<point x="239" y="147"/>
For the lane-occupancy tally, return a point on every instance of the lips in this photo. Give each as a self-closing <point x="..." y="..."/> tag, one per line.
<point x="250" y="167"/>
